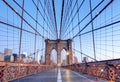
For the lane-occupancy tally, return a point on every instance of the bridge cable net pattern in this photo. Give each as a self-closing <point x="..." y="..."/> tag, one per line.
<point x="92" y="25"/>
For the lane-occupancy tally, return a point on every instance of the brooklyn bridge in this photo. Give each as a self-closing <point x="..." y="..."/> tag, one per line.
<point x="59" y="41"/>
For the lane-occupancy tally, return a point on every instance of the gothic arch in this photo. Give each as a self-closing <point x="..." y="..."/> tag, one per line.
<point x="53" y="56"/>
<point x="58" y="45"/>
<point x="63" y="57"/>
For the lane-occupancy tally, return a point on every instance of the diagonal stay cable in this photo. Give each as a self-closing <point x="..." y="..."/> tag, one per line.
<point x="61" y="18"/>
<point x="69" y="16"/>
<point x="36" y="52"/>
<point x="45" y="14"/>
<point x="22" y="18"/>
<point x="85" y="54"/>
<point x="90" y="20"/>
<point x="53" y="5"/>
<point x="50" y="14"/>
<point x="42" y="16"/>
<point x="66" y="11"/>
<point x="66" y="14"/>
<point x="100" y="28"/>
<point x="13" y="26"/>
<point x="74" y="16"/>
<point x="93" y="18"/>
<point x="30" y="15"/>
<point x="86" y="16"/>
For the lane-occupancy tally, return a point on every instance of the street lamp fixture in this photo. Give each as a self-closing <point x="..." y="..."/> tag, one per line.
<point x="67" y="53"/>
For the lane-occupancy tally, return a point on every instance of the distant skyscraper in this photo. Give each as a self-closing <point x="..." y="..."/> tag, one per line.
<point x="1" y="57"/>
<point x="7" y="51"/>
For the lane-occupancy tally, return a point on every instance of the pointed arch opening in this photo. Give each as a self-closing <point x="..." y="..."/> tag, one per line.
<point x="53" y="57"/>
<point x="63" y="57"/>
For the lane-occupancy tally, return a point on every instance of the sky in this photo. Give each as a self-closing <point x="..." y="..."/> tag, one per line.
<point x="106" y="40"/>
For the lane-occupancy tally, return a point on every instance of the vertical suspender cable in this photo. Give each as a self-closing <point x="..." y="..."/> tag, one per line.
<point x="72" y="18"/>
<point x="92" y="30"/>
<point x="72" y="22"/>
<point x="55" y="18"/>
<point x="13" y="33"/>
<point x="61" y="21"/>
<point x="80" y="33"/>
<point x="7" y="27"/>
<point x="35" y="31"/>
<point x="112" y="31"/>
<point x="20" y="43"/>
<point x="21" y="29"/>
<point x="105" y="38"/>
<point x="100" y="38"/>
<point x="43" y="30"/>
<point x="77" y="34"/>
<point x="23" y="18"/>
<point x="73" y="53"/>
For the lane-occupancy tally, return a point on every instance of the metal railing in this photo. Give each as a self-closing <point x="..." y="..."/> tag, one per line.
<point x="108" y="70"/>
<point x="11" y="71"/>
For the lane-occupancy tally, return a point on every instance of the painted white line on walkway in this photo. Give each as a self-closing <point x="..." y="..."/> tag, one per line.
<point x="59" y="79"/>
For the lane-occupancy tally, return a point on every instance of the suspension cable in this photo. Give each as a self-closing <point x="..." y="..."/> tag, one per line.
<point x="94" y="50"/>
<point x="87" y="15"/>
<point x="74" y="16"/>
<point x="80" y="33"/>
<point x="29" y="15"/>
<point x="43" y="17"/>
<point x="61" y="18"/>
<point x="51" y="15"/>
<point x="116" y="22"/>
<point x="22" y="18"/>
<point x="66" y="14"/>
<point x="45" y="14"/>
<point x="85" y="54"/>
<point x="92" y="19"/>
<point x="36" y="29"/>
<point x="53" y="5"/>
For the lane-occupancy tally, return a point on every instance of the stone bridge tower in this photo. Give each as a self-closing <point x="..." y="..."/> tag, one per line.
<point x="58" y="45"/>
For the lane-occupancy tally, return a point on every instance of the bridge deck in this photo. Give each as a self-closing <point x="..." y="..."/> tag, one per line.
<point x="57" y="75"/>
